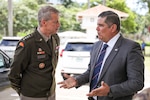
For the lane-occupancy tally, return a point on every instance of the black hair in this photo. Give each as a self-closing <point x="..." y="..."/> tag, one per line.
<point x="111" y="18"/>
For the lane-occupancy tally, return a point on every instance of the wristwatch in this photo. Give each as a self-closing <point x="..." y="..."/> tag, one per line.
<point x="110" y="94"/>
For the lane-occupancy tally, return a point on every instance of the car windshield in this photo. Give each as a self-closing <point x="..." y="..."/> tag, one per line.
<point x="8" y="42"/>
<point x="78" y="46"/>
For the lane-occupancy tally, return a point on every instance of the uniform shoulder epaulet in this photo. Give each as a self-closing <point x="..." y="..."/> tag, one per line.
<point x="27" y="37"/>
<point x="24" y="40"/>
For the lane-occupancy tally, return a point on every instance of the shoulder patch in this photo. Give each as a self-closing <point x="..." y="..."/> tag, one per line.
<point x="21" y="44"/>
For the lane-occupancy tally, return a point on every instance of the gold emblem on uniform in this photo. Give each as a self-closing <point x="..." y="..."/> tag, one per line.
<point x="41" y="65"/>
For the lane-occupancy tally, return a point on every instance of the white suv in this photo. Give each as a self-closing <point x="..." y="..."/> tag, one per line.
<point x="75" y="56"/>
<point x="8" y="45"/>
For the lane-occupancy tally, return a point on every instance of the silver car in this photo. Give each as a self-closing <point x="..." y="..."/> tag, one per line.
<point x="8" y="45"/>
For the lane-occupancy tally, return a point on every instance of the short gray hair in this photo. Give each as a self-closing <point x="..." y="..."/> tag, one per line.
<point x="45" y="13"/>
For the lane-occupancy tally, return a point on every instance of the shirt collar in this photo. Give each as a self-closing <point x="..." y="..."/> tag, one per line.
<point x="44" y="36"/>
<point x="112" y="41"/>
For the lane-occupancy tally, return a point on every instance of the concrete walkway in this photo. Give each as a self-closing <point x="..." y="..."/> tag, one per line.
<point x="147" y="78"/>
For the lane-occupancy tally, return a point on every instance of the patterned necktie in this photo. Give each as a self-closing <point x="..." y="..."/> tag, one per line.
<point x="97" y="68"/>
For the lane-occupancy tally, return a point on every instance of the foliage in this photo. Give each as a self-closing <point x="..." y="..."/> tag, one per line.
<point x="24" y="33"/>
<point x="144" y="3"/>
<point x="143" y="21"/>
<point x="3" y="17"/>
<point x="147" y="20"/>
<point x="147" y="59"/>
<point x="92" y="3"/>
<point x="146" y="42"/>
<point x="25" y="18"/>
<point x="128" y="25"/>
<point x="68" y="18"/>
<point x="67" y="3"/>
<point x="25" y="15"/>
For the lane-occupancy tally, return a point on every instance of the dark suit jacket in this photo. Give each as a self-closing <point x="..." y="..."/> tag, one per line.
<point x="123" y="70"/>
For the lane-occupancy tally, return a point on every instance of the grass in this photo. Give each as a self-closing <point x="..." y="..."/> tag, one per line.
<point x="147" y="62"/>
<point x="147" y="50"/>
<point x="147" y="57"/>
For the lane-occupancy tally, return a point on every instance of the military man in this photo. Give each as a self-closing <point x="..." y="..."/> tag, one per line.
<point x="32" y="72"/>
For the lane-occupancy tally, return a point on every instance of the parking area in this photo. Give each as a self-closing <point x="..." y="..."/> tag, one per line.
<point x="63" y="94"/>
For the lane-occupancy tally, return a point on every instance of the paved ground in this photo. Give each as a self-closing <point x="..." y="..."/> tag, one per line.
<point x="147" y="79"/>
<point x="64" y="94"/>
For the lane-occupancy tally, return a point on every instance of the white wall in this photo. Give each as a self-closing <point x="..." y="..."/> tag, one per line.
<point x="90" y="24"/>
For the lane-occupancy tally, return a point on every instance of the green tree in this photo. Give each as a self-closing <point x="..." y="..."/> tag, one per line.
<point x="144" y="3"/>
<point x="3" y="17"/>
<point x="68" y="17"/>
<point x="24" y="15"/>
<point x="67" y="3"/>
<point x="129" y="25"/>
<point x="143" y="21"/>
<point x="25" y="18"/>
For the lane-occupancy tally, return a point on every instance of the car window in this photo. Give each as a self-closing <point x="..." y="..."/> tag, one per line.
<point x="78" y="46"/>
<point x="9" y="42"/>
<point x="1" y="61"/>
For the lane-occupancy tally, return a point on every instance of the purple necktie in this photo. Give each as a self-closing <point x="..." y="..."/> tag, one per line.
<point x="97" y="68"/>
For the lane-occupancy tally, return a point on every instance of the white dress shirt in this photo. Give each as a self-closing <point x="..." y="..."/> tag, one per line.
<point x="110" y="44"/>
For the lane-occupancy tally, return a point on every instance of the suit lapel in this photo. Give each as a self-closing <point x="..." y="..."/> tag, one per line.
<point x="97" y="51"/>
<point x="94" y="56"/>
<point x="111" y="56"/>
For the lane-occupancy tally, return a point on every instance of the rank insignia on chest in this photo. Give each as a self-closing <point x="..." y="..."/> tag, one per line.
<point x="40" y="51"/>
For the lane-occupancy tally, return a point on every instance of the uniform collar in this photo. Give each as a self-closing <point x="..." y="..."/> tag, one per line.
<point x="44" y="36"/>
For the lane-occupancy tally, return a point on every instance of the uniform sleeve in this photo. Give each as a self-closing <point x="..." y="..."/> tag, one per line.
<point x="18" y="66"/>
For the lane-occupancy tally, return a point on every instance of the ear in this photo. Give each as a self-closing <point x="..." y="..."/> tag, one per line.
<point x="43" y="22"/>
<point x="114" y="27"/>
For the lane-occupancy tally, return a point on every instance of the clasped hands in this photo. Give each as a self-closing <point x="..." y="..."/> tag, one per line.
<point x="70" y="82"/>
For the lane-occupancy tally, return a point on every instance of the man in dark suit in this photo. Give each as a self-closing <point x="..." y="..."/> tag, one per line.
<point x="122" y="70"/>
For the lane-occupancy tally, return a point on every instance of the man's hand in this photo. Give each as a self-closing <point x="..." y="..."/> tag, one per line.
<point x="68" y="83"/>
<point x="103" y="90"/>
